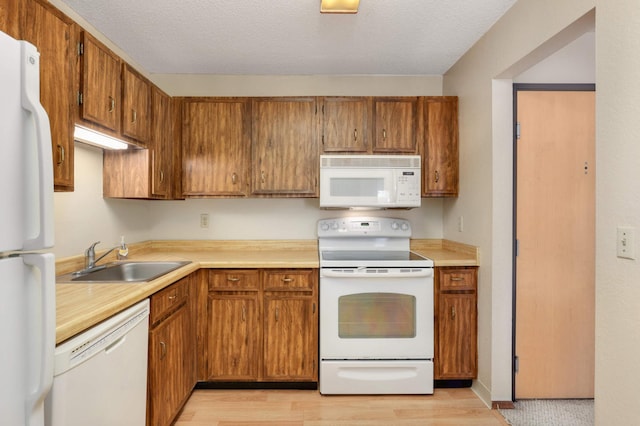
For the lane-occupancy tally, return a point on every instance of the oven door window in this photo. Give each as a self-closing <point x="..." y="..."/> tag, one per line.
<point x="376" y="315"/>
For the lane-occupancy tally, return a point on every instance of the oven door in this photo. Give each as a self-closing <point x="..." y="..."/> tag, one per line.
<point x="376" y="313"/>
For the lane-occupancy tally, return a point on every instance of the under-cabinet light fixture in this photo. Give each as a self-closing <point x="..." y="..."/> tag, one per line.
<point x="339" y="6"/>
<point x="91" y="137"/>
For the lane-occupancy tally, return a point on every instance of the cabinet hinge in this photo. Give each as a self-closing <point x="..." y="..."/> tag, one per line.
<point x="516" y="364"/>
<point x="80" y="49"/>
<point x="79" y="98"/>
<point x="518" y="130"/>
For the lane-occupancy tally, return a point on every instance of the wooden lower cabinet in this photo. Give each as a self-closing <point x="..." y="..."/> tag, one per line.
<point x="456" y="323"/>
<point x="171" y="364"/>
<point x="259" y="326"/>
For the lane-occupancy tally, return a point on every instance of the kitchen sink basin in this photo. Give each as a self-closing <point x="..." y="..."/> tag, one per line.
<point x="125" y="272"/>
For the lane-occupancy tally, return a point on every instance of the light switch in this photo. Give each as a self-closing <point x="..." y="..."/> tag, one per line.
<point x="626" y="242"/>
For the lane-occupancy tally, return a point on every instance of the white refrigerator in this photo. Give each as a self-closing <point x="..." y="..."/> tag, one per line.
<point x="27" y="271"/>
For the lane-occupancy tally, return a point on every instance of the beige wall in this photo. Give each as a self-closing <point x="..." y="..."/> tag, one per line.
<point x="528" y="33"/>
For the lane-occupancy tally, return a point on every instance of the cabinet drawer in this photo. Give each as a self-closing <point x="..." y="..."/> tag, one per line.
<point x="458" y="279"/>
<point x="234" y="279"/>
<point x="167" y="300"/>
<point x="289" y="280"/>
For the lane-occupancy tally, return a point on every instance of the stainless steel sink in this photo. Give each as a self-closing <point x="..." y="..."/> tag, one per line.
<point x="124" y="272"/>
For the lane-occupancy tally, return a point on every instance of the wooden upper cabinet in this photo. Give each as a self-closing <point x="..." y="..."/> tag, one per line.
<point x="136" y="99"/>
<point x="9" y="17"/>
<point x="50" y="31"/>
<point x="440" y="165"/>
<point x="284" y="146"/>
<point x="395" y="124"/>
<point x="100" y="84"/>
<point x="345" y="124"/>
<point x="161" y="145"/>
<point x="215" y="147"/>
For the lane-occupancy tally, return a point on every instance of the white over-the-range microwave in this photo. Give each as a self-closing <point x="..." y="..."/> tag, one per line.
<point x="370" y="181"/>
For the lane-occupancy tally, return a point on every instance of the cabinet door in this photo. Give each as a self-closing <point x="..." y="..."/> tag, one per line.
<point x="161" y="145"/>
<point x="395" y="125"/>
<point x="233" y="336"/>
<point x="50" y="31"/>
<point x="441" y="153"/>
<point x="215" y="147"/>
<point x="290" y="337"/>
<point x="135" y="105"/>
<point x="284" y="146"/>
<point x="456" y="357"/>
<point x="170" y="367"/>
<point x="100" y="84"/>
<point x="9" y="17"/>
<point x="345" y="124"/>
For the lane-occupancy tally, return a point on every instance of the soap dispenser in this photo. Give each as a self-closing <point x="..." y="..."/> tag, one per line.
<point x="123" y="250"/>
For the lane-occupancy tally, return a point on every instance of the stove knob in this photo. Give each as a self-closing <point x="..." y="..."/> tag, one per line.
<point x="334" y="226"/>
<point x="394" y="226"/>
<point x="324" y="226"/>
<point x="405" y="226"/>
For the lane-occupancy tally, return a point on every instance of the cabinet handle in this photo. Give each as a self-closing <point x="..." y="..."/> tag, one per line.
<point x="457" y="279"/>
<point x="277" y="314"/>
<point x="233" y="279"/>
<point x="384" y="134"/>
<point x="453" y="312"/>
<point x="134" y="116"/>
<point x="287" y="280"/>
<point x="234" y="178"/>
<point x="244" y="313"/>
<point x="163" y="350"/>
<point x="112" y="104"/>
<point x="313" y="311"/>
<point x="263" y="177"/>
<point x="61" y="156"/>
<point x="437" y="176"/>
<point x="355" y="135"/>
<point x="161" y="176"/>
<point x="172" y="298"/>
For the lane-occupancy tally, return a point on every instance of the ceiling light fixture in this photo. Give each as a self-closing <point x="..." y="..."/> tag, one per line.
<point x="91" y="137"/>
<point x="339" y="6"/>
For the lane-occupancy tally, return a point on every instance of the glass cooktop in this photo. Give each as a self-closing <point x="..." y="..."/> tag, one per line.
<point x="377" y="258"/>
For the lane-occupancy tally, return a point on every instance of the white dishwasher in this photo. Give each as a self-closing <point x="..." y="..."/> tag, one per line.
<point x="100" y="376"/>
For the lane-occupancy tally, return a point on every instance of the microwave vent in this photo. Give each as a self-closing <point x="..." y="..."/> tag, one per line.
<point x="370" y="161"/>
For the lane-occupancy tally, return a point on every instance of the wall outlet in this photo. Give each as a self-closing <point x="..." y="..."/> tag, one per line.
<point x="626" y="242"/>
<point x="204" y="220"/>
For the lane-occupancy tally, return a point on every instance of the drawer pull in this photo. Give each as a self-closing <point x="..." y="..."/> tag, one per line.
<point x="457" y="279"/>
<point x="172" y="298"/>
<point x="287" y="280"/>
<point x="233" y="279"/>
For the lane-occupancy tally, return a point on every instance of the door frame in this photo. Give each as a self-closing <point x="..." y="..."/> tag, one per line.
<point x="521" y="87"/>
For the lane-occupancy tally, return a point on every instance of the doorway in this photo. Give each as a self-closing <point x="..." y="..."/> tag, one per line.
<point x="554" y="228"/>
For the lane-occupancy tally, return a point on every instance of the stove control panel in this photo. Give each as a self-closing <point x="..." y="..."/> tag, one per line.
<point x="364" y="226"/>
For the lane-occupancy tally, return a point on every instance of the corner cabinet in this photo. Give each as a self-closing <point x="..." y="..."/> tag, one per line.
<point x="51" y="32"/>
<point x="440" y="156"/>
<point x="259" y="326"/>
<point x="456" y="323"/>
<point x="171" y="366"/>
<point x="284" y="148"/>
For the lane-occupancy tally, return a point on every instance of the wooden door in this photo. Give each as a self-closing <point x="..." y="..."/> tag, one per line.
<point x="345" y="124"/>
<point x="50" y="31"/>
<point x="440" y="167"/>
<point x="284" y="146"/>
<point x="161" y="145"/>
<point x="215" y="147"/>
<point x="395" y="125"/>
<point x="135" y="105"/>
<point x="555" y="273"/>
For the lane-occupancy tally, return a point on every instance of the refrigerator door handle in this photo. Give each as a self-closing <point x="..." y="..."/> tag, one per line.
<point x="45" y="262"/>
<point x="30" y="89"/>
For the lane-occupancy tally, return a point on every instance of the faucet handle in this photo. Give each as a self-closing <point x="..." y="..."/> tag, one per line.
<point x="92" y="249"/>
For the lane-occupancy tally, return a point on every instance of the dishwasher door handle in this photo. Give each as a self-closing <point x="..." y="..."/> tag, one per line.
<point x="112" y="347"/>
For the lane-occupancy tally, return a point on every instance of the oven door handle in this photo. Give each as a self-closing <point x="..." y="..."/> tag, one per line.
<point x="377" y="273"/>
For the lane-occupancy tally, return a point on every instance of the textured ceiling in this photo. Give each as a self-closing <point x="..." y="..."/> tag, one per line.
<point x="385" y="37"/>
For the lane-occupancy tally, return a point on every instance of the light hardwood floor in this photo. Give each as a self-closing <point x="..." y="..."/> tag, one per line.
<point x="309" y="408"/>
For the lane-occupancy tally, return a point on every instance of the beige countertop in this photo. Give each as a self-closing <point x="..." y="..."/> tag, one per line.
<point x="80" y="306"/>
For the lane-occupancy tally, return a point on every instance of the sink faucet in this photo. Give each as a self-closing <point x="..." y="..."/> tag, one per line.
<point x="90" y="256"/>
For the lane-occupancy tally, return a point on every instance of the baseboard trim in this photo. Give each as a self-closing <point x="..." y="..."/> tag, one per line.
<point x="502" y="405"/>
<point x="258" y="385"/>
